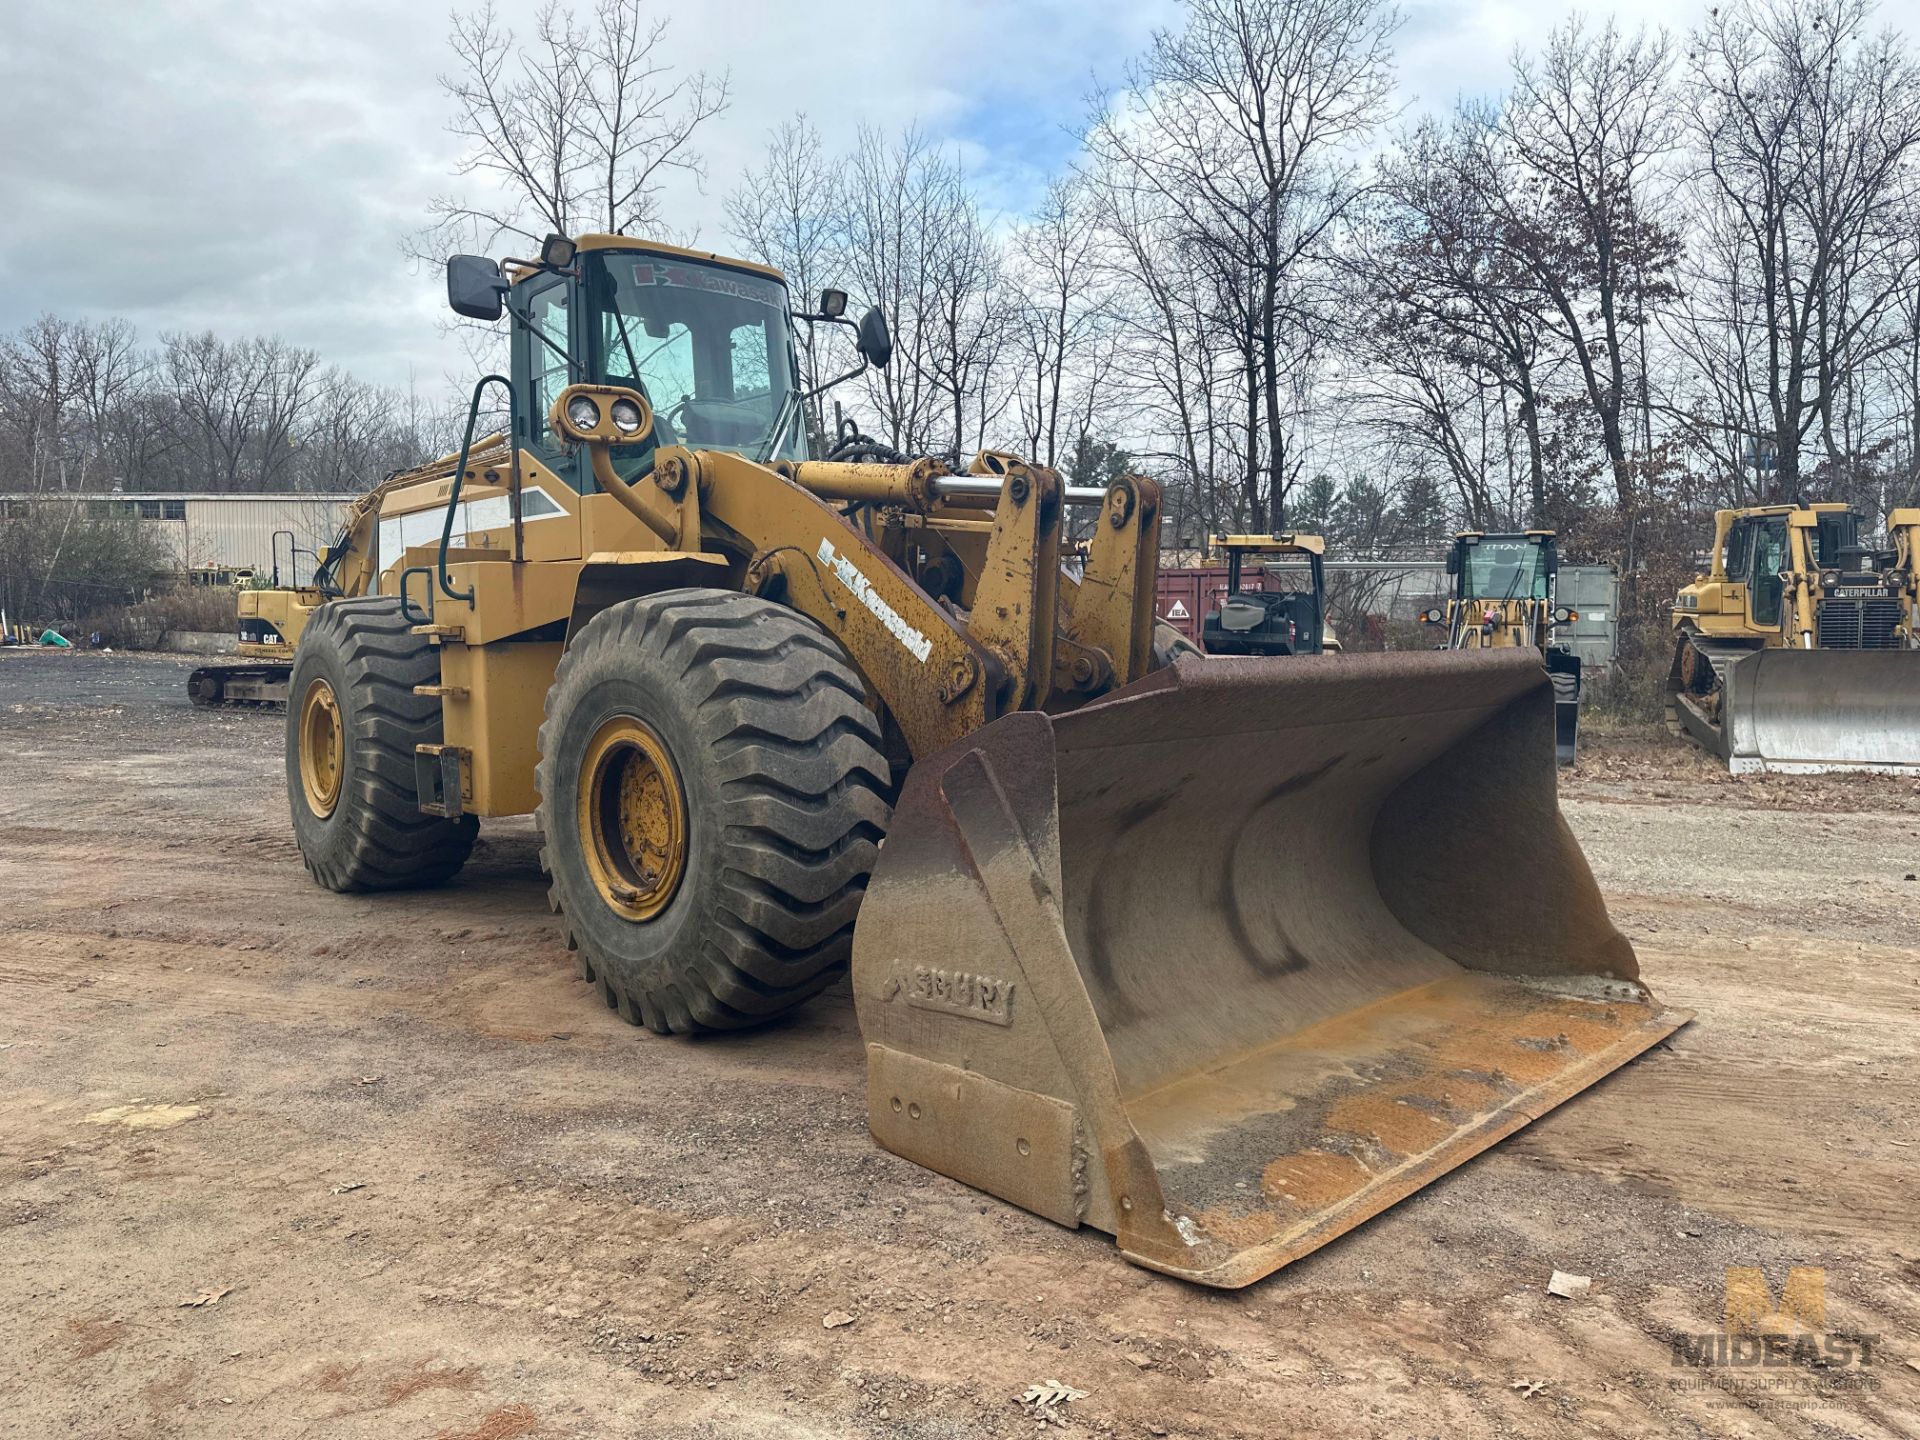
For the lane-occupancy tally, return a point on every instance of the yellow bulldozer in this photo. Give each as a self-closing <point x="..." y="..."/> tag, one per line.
<point x="1798" y="650"/>
<point x="1504" y="595"/>
<point x="1181" y="951"/>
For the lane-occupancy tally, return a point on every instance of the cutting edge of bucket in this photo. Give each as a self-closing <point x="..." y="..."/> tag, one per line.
<point x="1255" y="1262"/>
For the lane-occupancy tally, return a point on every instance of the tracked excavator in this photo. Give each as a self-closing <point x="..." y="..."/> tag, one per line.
<point x="270" y="618"/>
<point x="1505" y="596"/>
<point x="1179" y="951"/>
<point x="1798" y="650"/>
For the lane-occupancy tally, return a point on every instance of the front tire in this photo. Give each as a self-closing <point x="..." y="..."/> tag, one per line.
<point x="712" y="797"/>
<point x="352" y="724"/>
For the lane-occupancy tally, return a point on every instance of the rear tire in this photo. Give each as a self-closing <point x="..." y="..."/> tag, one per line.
<point x="712" y="797"/>
<point x="350" y="775"/>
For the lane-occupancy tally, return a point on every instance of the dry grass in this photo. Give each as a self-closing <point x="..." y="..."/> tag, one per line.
<point x="509" y="1422"/>
<point x="144" y="625"/>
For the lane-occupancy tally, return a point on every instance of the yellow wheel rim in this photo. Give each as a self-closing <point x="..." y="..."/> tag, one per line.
<point x="632" y="818"/>
<point x="323" y="748"/>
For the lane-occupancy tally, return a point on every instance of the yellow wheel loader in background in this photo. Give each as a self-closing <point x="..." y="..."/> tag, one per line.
<point x="1180" y="951"/>
<point x="1504" y="596"/>
<point x="1799" y="649"/>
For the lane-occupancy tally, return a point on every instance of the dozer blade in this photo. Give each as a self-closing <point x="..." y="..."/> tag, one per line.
<point x="1228" y="962"/>
<point x="1814" y="711"/>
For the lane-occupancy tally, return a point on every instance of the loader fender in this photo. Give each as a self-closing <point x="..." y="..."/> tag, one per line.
<point x="611" y="576"/>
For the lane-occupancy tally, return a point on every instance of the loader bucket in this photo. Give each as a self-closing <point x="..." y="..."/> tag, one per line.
<point x="1814" y="711"/>
<point x="1230" y="961"/>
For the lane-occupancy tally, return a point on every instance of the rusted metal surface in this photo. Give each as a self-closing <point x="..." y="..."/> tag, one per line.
<point x="1216" y="915"/>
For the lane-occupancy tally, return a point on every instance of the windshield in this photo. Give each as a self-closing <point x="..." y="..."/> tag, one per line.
<point x="707" y="345"/>
<point x="1289" y="573"/>
<point x="1503" y="570"/>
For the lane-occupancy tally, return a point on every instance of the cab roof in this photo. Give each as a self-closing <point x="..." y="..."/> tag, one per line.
<point x="1287" y="541"/>
<point x="655" y="247"/>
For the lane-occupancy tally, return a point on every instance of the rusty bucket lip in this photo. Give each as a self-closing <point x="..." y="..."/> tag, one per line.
<point x="1252" y="1263"/>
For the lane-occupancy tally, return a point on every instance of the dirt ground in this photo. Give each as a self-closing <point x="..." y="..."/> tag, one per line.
<point x="440" y="1191"/>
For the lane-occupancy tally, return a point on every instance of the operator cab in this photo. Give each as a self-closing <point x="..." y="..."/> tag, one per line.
<point x="1286" y="613"/>
<point x="1503" y="568"/>
<point x="708" y="342"/>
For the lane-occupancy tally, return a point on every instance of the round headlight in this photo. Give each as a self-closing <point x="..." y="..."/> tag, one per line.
<point x="1896" y="579"/>
<point x="1829" y="578"/>
<point x="1562" y="615"/>
<point x="626" y="416"/>
<point x="582" y="413"/>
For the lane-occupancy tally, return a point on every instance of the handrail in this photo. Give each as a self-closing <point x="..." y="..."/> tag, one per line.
<point x="293" y="563"/>
<point x="460" y="476"/>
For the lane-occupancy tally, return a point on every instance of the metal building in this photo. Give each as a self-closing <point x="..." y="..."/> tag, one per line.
<point x="213" y="534"/>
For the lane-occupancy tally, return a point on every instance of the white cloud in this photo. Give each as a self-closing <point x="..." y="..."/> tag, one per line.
<point x="255" y="168"/>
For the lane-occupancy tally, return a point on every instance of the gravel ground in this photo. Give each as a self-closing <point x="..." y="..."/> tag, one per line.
<point x="439" y="1191"/>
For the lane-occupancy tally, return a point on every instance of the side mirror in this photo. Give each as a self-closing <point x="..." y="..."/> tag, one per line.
<point x="475" y="287"/>
<point x="833" y="303"/>
<point x="1453" y="560"/>
<point x="876" y="341"/>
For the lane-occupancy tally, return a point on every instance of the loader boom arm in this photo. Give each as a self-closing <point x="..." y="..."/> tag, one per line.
<point x="1030" y="636"/>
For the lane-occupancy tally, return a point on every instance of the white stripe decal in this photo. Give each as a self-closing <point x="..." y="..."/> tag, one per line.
<point x="495" y="512"/>
<point x="843" y="570"/>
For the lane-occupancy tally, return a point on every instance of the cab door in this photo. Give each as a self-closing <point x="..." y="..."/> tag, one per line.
<point x="1765" y="588"/>
<point x="541" y="370"/>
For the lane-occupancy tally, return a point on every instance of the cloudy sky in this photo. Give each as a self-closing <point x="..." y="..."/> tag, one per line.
<point x="250" y="168"/>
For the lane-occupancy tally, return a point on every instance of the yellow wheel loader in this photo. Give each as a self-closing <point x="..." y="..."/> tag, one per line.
<point x="1504" y="597"/>
<point x="1180" y="951"/>
<point x="1798" y="650"/>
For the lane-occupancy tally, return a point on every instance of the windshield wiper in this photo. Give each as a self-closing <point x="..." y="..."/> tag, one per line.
<point x="626" y="343"/>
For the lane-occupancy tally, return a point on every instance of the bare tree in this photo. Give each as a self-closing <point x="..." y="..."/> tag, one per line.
<point x="1443" y="291"/>
<point x="579" y="130"/>
<point x="1242" y="127"/>
<point x="786" y="213"/>
<point x="237" y="406"/>
<point x="1571" y="175"/>
<point x="1060" y="311"/>
<point x="916" y="244"/>
<point x="1808" y="137"/>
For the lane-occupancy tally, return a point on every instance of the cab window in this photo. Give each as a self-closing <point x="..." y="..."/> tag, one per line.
<point x="1769" y="558"/>
<point x="1739" y="549"/>
<point x="549" y="312"/>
